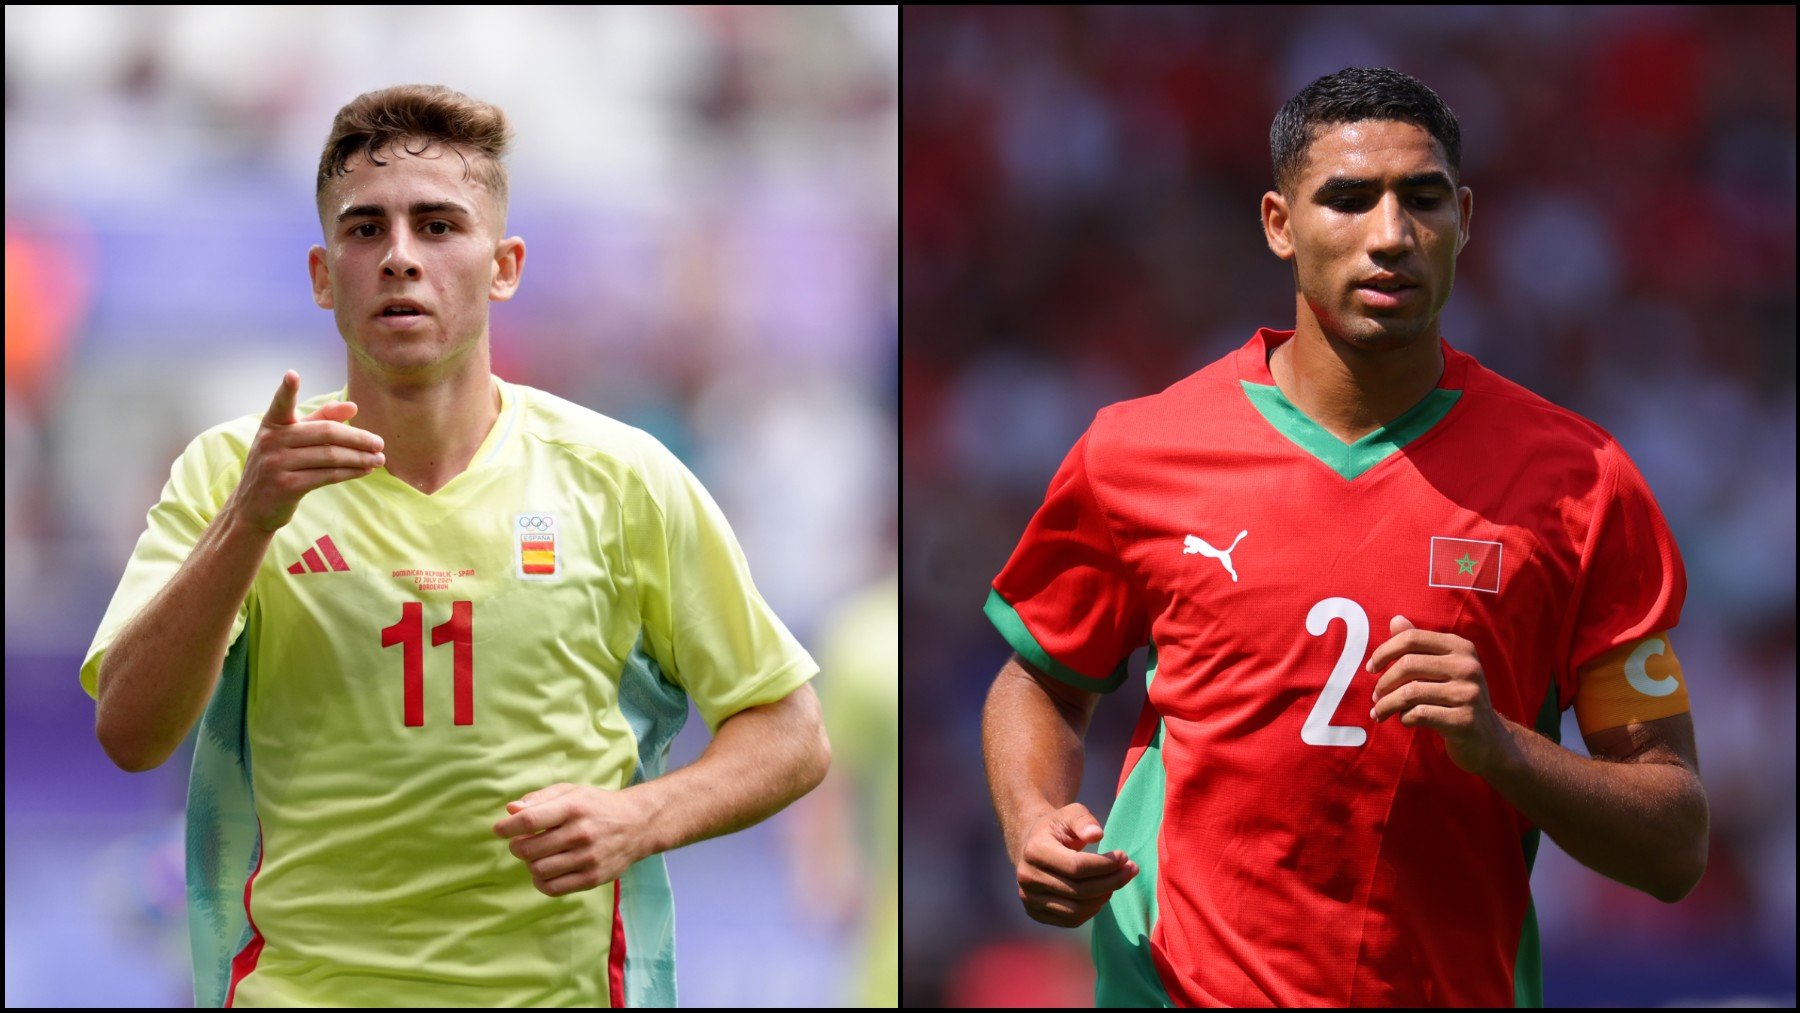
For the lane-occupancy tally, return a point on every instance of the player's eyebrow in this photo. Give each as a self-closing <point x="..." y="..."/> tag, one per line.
<point x="1347" y="184"/>
<point x="426" y="207"/>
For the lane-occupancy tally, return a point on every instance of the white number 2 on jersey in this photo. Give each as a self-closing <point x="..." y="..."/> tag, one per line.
<point x="1318" y="730"/>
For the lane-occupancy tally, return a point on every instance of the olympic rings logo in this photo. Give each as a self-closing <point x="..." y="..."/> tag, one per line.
<point x="537" y="522"/>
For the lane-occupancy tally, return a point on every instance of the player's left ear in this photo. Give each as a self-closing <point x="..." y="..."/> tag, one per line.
<point x="509" y="263"/>
<point x="321" y="276"/>
<point x="1275" y="225"/>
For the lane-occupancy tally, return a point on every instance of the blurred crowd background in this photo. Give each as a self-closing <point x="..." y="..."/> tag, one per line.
<point x="1080" y="226"/>
<point x="709" y="199"/>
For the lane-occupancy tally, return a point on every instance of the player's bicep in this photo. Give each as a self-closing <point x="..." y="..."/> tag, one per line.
<point x="1667" y="740"/>
<point x="1077" y="704"/>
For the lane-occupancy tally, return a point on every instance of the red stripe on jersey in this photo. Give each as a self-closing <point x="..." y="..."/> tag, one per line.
<point x="540" y="568"/>
<point x="615" y="961"/>
<point x="538" y="546"/>
<point x="296" y="568"/>
<point x="313" y="562"/>
<point x="245" y="961"/>
<point x="332" y="555"/>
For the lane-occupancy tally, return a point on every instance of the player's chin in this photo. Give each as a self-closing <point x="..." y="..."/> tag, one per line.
<point x="1386" y="331"/>
<point x="401" y="353"/>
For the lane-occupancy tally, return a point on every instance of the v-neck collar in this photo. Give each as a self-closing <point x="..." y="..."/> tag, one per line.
<point x="492" y="446"/>
<point x="1349" y="460"/>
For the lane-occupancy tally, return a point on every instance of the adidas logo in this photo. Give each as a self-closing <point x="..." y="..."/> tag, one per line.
<point x="316" y="558"/>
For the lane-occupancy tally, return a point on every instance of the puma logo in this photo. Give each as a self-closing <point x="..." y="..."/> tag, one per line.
<point x="1195" y="544"/>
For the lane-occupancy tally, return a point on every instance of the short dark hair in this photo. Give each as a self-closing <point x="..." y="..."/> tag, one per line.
<point x="424" y="114"/>
<point x="1351" y="95"/>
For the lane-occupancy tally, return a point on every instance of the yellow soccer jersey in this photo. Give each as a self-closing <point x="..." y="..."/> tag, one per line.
<point x="407" y="664"/>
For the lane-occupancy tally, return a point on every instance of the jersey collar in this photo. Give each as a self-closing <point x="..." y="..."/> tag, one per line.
<point x="505" y="423"/>
<point x="1349" y="460"/>
<point x="499" y="439"/>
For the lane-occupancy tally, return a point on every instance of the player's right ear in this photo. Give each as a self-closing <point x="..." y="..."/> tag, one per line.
<point x="321" y="277"/>
<point x="1275" y="225"/>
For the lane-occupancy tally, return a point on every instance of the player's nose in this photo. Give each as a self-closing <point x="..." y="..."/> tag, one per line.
<point x="401" y="258"/>
<point x="1390" y="228"/>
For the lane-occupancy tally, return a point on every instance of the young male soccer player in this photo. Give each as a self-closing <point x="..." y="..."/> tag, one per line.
<point x="442" y="629"/>
<point x="1372" y="574"/>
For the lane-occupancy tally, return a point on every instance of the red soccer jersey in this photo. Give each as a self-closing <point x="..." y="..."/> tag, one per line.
<point x="1292" y="852"/>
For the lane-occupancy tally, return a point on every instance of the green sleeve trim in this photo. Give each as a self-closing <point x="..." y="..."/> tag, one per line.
<point x="1007" y="621"/>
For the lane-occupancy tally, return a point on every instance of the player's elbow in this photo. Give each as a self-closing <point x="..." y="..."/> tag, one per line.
<point x="821" y="761"/>
<point x="818" y="759"/>
<point x="127" y="758"/>
<point x="1677" y="887"/>
<point x="1689" y="878"/>
<point x="1691" y="864"/>
<point x="808" y="747"/>
<point x="1675" y="892"/>
<point x="135" y="766"/>
<point x="127" y="752"/>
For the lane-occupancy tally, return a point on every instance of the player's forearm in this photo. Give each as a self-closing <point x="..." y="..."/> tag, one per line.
<point x="760" y="760"/>
<point x="156" y="678"/>
<point x="1643" y="824"/>
<point x="1032" y="746"/>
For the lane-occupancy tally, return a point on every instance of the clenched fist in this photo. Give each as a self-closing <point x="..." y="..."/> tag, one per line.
<point x="1061" y="884"/>
<point x="576" y="837"/>
<point x="1435" y="680"/>
<point x="291" y="457"/>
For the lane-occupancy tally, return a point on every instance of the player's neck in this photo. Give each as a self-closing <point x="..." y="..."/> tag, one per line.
<point x="431" y="429"/>
<point x="1351" y="392"/>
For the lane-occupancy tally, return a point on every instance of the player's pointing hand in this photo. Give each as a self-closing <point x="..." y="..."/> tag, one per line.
<point x="575" y="837"/>
<point x="291" y="457"/>
<point x="1435" y="680"/>
<point x="1059" y="882"/>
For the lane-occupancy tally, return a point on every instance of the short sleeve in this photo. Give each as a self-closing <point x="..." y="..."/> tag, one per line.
<point x="1632" y="583"/>
<point x="200" y="482"/>
<point x="1065" y="600"/>
<point x="704" y="622"/>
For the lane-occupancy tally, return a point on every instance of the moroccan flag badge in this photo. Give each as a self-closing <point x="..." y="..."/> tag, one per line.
<point x="1465" y="562"/>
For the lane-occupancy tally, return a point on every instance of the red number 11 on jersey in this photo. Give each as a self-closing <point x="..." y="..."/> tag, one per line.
<point x="409" y="633"/>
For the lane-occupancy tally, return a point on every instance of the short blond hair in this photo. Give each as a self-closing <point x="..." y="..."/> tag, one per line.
<point x="417" y="116"/>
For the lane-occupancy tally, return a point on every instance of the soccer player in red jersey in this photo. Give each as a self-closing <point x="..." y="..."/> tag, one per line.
<point x="1372" y="574"/>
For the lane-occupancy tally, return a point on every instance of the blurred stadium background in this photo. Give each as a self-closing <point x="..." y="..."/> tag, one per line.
<point x="709" y="198"/>
<point x="1080" y="226"/>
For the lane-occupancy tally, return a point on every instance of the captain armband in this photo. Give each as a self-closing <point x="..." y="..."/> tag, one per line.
<point x="1633" y="683"/>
